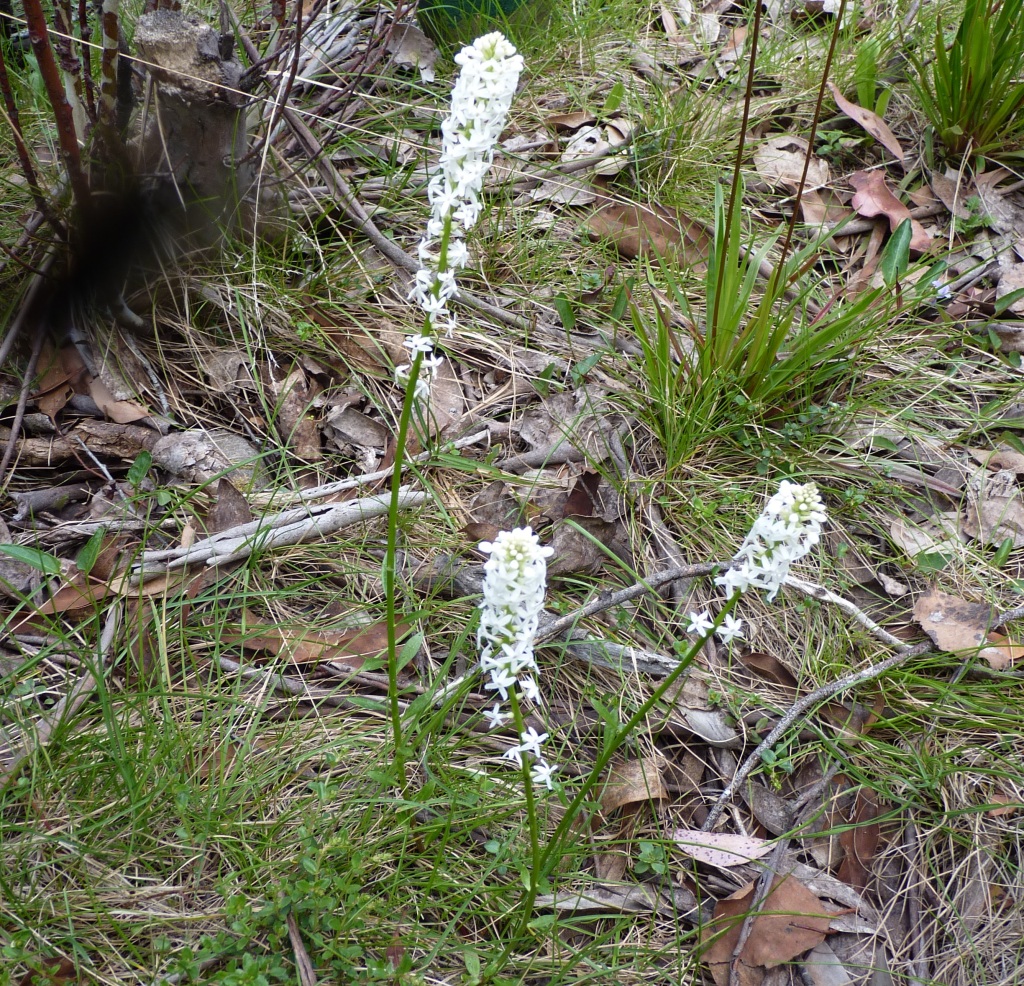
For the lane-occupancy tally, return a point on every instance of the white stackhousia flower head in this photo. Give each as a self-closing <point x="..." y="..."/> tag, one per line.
<point x="515" y="578"/>
<point x="786" y="531"/>
<point x="483" y="93"/>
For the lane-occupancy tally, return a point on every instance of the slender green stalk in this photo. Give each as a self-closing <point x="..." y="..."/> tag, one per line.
<point x="390" y="577"/>
<point x="603" y="759"/>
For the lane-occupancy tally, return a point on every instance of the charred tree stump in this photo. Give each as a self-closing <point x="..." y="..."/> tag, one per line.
<point x="193" y="131"/>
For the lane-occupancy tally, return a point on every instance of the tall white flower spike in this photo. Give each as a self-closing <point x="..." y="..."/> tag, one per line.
<point x="481" y="98"/>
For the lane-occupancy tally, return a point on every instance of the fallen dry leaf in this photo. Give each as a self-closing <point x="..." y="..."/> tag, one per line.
<point x="229" y="509"/>
<point x="993" y="519"/>
<point x="951" y="194"/>
<point x="120" y="411"/>
<point x="791" y="921"/>
<point x="295" y="426"/>
<point x="860" y="842"/>
<point x="870" y="121"/>
<point x="644" y="231"/>
<point x="53" y="972"/>
<point x="999" y="459"/>
<point x="874" y="198"/>
<point x="672" y="902"/>
<point x="410" y="48"/>
<point x="956" y="625"/>
<point x="302" y="645"/>
<point x="927" y="537"/>
<point x="632" y="782"/>
<point x="781" y="160"/>
<point x="771" y="668"/>
<point x="561" y="122"/>
<point x="56" y="383"/>
<point x="722" y="849"/>
<point x="1011" y="278"/>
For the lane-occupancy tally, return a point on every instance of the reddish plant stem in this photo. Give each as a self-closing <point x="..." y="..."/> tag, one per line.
<point x="24" y="158"/>
<point x="110" y="31"/>
<point x="38" y="35"/>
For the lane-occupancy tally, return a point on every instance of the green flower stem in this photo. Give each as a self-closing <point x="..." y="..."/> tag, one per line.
<point x="541" y="860"/>
<point x="389" y="574"/>
<point x="390" y="579"/>
<point x="531" y="816"/>
<point x="573" y="808"/>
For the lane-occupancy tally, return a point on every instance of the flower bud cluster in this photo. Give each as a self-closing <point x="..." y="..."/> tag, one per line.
<point x="515" y="577"/>
<point x="786" y="531"/>
<point x="483" y="93"/>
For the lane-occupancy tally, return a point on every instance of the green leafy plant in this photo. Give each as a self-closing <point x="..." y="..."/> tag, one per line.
<point x="973" y="93"/>
<point x="651" y="859"/>
<point x="766" y="348"/>
<point x="867" y="75"/>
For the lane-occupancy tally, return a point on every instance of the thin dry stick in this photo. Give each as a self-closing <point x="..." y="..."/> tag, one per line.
<point x="67" y="706"/>
<point x="331" y="489"/>
<point x="652" y="582"/>
<point x="822" y="594"/>
<point x="761" y="893"/>
<point x="906" y="652"/>
<point x="19" y="414"/>
<point x="796" y="710"/>
<point x="277" y="530"/>
<point x="303" y="963"/>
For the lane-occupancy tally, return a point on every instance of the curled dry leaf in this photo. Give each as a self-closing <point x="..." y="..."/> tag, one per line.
<point x="295" y="426"/>
<point x="633" y="781"/>
<point x="874" y="198"/>
<point x="122" y="412"/>
<point x="411" y="49"/>
<point x="1000" y="459"/>
<point x="870" y="121"/>
<point x="673" y="902"/>
<point x="781" y="160"/>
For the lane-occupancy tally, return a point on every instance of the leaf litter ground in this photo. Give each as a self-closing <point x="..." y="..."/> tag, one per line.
<point x="194" y="724"/>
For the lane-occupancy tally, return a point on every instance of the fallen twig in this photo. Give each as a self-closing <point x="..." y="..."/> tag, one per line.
<point x="331" y="489"/>
<point x="796" y="710"/>
<point x="67" y="706"/>
<point x="274" y="531"/>
<point x="559" y="626"/>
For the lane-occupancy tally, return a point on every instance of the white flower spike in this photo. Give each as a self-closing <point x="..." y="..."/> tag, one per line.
<point x="481" y="98"/>
<point x="515" y="578"/>
<point x="786" y="531"/>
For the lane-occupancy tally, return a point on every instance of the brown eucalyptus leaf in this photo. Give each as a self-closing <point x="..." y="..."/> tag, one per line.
<point x="873" y="197"/>
<point x="956" y="625"/>
<point x="650" y="231"/>
<point x="790" y="921"/>
<point x="870" y="121"/>
<point x="632" y="782"/>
